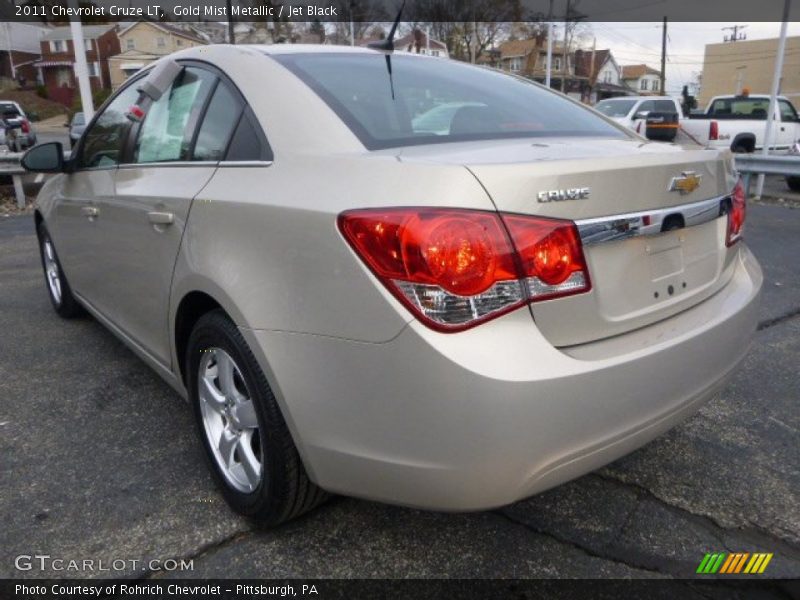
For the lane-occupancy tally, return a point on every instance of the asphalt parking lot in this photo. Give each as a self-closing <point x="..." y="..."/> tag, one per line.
<point x="98" y="460"/>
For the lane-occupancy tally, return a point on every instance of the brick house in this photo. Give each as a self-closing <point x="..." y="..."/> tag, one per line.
<point x="57" y="65"/>
<point x="19" y="50"/>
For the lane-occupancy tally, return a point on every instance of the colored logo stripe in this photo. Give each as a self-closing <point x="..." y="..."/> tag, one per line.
<point x="737" y="562"/>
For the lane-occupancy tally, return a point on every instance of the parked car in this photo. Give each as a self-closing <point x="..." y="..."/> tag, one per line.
<point x="449" y="321"/>
<point x="25" y="137"/>
<point x="631" y="111"/>
<point x="76" y="127"/>
<point x="739" y="123"/>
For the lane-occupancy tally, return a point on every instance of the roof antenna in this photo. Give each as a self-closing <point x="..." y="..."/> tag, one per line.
<point x="387" y="45"/>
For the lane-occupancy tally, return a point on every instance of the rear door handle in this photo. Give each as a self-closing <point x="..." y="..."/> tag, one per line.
<point x="161" y="218"/>
<point x="90" y="212"/>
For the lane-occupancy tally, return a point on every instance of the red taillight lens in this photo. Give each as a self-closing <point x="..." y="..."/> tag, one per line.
<point x="736" y="214"/>
<point x="26" y="126"/>
<point x="551" y="255"/>
<point x="713" y="131"/>
<point x="456" y="268"/>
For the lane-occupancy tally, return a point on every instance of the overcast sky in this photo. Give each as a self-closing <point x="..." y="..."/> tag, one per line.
<point x="635" y="43"/>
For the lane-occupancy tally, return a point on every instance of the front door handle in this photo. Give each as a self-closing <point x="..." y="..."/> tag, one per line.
<point x="161" y="218"/>
<point x="90" y="211"/>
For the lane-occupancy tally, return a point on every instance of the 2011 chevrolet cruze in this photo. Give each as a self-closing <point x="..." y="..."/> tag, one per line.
<point x="405" y="279"/>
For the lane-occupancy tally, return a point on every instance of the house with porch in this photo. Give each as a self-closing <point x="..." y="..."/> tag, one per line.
<point x="57" y="64"/>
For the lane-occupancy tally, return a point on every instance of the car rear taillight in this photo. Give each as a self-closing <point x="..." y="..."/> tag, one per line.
<point x="713" y="130"/>
<point x="26" y="126"/>
<point x="736" y="214"/>
<point x="455" y="268"/>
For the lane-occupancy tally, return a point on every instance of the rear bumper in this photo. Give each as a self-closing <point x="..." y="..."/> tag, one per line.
<point x="488" y="416"/>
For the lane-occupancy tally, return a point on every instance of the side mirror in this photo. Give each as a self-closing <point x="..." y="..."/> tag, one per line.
<point x="642" y="114"/>
<point x="44" y="158"/>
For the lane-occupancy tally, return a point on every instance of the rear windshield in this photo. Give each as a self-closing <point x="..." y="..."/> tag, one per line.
<point x="615" y="108"/>
<point x="427" y="101"/>
<point x="740" y="108"/>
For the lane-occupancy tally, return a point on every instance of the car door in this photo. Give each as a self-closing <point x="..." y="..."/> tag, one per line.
<point x="175" y="153"/>
<point x="787" y="128"/>
<point x="76" y="224"/>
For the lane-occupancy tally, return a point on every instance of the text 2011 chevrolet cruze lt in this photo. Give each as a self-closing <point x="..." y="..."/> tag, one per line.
<point x="434" y="285"/>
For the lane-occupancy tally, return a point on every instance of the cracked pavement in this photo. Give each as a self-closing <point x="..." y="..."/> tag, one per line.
<point x="98" y="460"/>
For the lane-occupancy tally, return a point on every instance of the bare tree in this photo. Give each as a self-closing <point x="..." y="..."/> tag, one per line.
<point x="469" y="27"/>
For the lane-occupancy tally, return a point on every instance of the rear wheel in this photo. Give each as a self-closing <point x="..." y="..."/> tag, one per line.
<point x="793" y="183"/>
<point x="247" y="442"/>
<point x="58" y="288"/>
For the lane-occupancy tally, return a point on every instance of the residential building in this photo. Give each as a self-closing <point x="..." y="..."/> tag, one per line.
<point x="730" y="67"/>
<point x="145" y="41"/>
<point x="19" y="50"/>
<point x="419" y="42"/>
<point x="589" y="75"/>
<point x="643" y="80"/>
<point x="602" y="73"/>
<point x="57" y="65"/>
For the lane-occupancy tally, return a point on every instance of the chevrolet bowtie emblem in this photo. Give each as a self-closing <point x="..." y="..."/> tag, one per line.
<point x="688" y="182"/>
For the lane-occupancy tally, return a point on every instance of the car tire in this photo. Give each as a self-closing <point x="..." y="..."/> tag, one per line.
<point x="56" y="282"/>
<point x="248" y="445"/>
<point x="793" y="183"/>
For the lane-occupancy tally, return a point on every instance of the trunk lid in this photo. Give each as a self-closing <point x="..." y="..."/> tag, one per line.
<point x="636" y="279"/>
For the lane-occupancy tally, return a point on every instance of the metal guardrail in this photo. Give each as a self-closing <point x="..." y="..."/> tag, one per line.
<point x="9" y="165"/>
<point x="771" y="164"/>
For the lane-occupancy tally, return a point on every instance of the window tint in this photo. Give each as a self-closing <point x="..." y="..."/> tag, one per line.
<point x="248" y="141"/>
<point x="787" y="111"/>
<point x="219" y="122"/>
<point x="102" y="143"/>
<point x="164" y="134"/>
<point x="388" y="112"/>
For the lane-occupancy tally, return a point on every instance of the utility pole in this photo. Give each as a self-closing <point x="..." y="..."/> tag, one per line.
<point x="735" y="36"/>
<point x="231" y="34"/>
<point x="352" y="27"/>
<point x="81" y="68"/>
<point x="773" y="97"/>
<point x="564" y="54"/>
<point x="549" y="64"/>
<point x="664" y="58"/>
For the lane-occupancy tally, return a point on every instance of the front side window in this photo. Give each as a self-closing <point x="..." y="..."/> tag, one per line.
<point x="788" y="113"/>
<point x="480" y="103"/>
<point x="164" y="135"/>
<point x="103" y="142"/>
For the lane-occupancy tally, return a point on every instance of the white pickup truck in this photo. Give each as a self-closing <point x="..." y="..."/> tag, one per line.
<point x="735" y="122"/>
<point x="740" y="122"/>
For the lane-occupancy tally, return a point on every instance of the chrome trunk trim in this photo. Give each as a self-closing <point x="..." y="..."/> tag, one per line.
<point x="651" y="222"/>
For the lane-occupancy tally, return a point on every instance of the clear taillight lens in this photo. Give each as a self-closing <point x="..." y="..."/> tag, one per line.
<point x="736" y="214"/>
<point x="456" y="268"/>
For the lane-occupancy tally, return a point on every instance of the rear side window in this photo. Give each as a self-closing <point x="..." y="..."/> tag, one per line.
<point x="221" y="118"/>
<point x="102" y="144"/>
<point x="427" y="101"/>
<point x="248" y="141"/>
<point x="740" y="108"/>
<point x="166" y="132"/>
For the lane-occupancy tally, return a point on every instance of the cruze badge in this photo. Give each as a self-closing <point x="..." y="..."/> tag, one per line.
<point x="688" y="182"/>
<point x="568" y="194"/>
